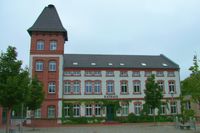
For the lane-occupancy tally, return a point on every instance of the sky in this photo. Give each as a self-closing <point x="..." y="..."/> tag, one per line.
<point x="128" y="27"/>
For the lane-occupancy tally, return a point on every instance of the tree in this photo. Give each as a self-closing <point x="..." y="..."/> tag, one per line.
<point x="153" y="94"/>
<point x="14" y="82"/>
<point x="191" y="85"/>
<point x="36" y="95"/>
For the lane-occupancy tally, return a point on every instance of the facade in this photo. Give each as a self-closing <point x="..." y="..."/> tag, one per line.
<point x="79" y="85"/>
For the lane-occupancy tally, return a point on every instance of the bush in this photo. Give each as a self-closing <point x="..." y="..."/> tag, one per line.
<point x="83" y="120"/>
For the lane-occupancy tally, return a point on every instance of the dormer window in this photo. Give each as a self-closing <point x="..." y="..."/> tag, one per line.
<point x="143" y="64"/>
<point x="40" y="45"/>
<point x="93" y="64"/>
<point x="53" y="45"/>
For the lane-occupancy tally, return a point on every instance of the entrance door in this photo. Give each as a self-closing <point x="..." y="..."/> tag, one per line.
<point x="110" y="112"/>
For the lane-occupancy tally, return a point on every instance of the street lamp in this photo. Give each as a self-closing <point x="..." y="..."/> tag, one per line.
<point x="172" y="101"/>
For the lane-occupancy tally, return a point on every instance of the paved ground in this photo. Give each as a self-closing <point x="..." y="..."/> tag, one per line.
<point x="120" y="128"/>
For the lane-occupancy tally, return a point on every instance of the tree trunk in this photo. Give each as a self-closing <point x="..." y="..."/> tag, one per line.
<point x="32" y="118"/>
<point x="8" y="120"/>
<point x="154" y="117"/>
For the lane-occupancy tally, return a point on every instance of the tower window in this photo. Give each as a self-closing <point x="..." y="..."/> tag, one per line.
<point x="52" y="87"/>
<point x="53" y="45"/>
<point x="52" y="66"/>
<point x="40" y="45"/>
<point x="39" y="66"/>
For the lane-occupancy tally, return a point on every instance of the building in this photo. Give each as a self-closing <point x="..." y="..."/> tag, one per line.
<point x="77" y="84"/>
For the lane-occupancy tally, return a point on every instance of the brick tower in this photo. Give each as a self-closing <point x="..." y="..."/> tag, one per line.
<point x="46" y="61"/>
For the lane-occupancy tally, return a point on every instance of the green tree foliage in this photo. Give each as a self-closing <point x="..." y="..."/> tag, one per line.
<point x="15" y="85"/>
<point x="153" y="94"/>
<point x="14" y="81"/>
<point x="191" y="85"/>
<point x="36" y="95"/>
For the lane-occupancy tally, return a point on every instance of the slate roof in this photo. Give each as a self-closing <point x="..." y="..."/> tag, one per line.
<point x="118" y="61"/>
<point x="48" y="21"/>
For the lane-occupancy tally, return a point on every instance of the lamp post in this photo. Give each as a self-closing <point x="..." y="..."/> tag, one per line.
<point x="172" y="100"/>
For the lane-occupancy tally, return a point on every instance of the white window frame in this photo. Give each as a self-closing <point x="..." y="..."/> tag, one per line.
<point x="136" y="74"/>
<point x="37" y="113"/>
<point x="110" y="86"/>
<point x="173" y="108"/>
<point x="88" y="87"/>
<point x="163" y="108"/>
<point x="76" y="87"/>
<point x="67" y="87"/>
<point x="109" y="73"/>
<point x="161" y="84"/>
<point x="51" y="87"/>
<point x="52" y="66"/>
<point x="171" y="74"/>
<point x="124" y="86"/>
<point x="40" y="45"/>
<point x="66" y="111"/>
<point x="124" y="109"/>
<point x="88" y="110"/>
<point x="39" y="65"/>
<point x="97" y="110"/>
<point x="97" y="87"/>
<point x="51" y="112"/>
<point x="137" y="108"/>
<point x="53" y="45"/>
<point x="172" y="86"/>
<point x="136" y="87"/>
<point x="76" y="110"/>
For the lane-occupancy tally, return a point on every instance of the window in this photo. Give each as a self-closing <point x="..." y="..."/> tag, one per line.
<point x="76" y="110"/>
<point x="137" y="108"/>
<point x="72" y="73"/>
<point x="67" y="87"/>
<point x="160" y="74"/>
<point x="110" y="87"/>
<point x="76" y="87"/>
<point x="97" y="110"/>
<point x="151" y="111"/>
<point x="124" y="87"/>
<point x="171" y="86"/>
<point x="76" y="73"/>
<point x="92" y="73"/>
<point x="171" y="74"/>
<point x="52" y="66"/>
<point x="40" y="45"/>
<point x="109" y="73"/>
<point x="148" y="73"/>
<point x="51" y="112"/>
<point x="52" y="87"/>
<point x="123" y="74"/>
<point x="88" y="87"/>
<point x="125" y="110"/>
<point x="37" y="113"/>
<point x="39" y="66"/>
<point x="173" y="108"/>
<point x="136" y="74"/>
<point x="188" y="105"/>
<point x="136" y="86"/>
<point x="97" y="87"/>
<point x="66" y="111"/>
<point x="163" y="108"/>
<point x="88" y="73"/>
<point x="88" y="110"/>
<point x="53" y="45"/>
<point x="161" y="85"/>
<point x="97" y="73"/>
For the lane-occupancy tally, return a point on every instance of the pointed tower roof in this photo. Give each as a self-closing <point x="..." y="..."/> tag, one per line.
<point x="48" y="21"/>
